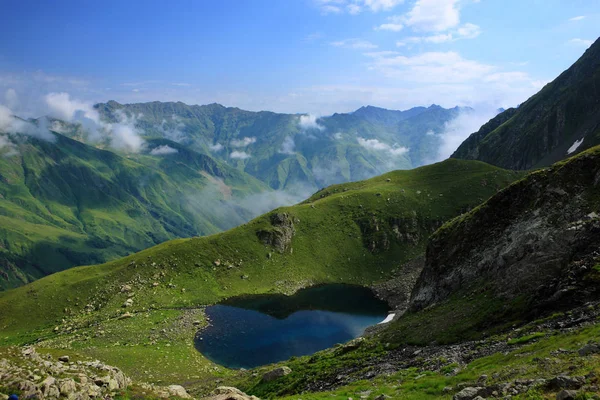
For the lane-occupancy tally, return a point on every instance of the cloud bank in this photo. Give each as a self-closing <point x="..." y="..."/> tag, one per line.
<point x="288" y="146"/>
<point x="163" y="150"/>
<point x="123" y="135"/>
<point x="309" y="121"/>
<point x="243" y="142"/>
<point x="458" y="129"/>
<point x="239" y="155"/>
<point x="374" y="144"/>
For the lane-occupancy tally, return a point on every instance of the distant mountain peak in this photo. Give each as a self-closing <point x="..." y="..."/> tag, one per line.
<point x="543" y="129"/>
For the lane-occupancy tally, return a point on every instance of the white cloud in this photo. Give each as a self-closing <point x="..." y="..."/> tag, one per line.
<point x="163" y="150"/>
<point x="355" y="7"/>
<point x="63" y="107"/>
<point x="240" y="155"/>
<point x="10" y="124"/>
<point x="578" y="18"/>
<point x="458" y="129"/>
<point x="11" y="99"/>
<point x="288" y="146"/>
<point x="466" y="31"/>
<point x="433" y="15"/>
<point x="216" y="147"/>
<point x="243" y="142"/>
<point x="337" y="135"/>
<point x="469" y="31"/>
<point x="7" y="148"/>
<point x="381" y="5"/>
<point x="123" y="135"/>
<point x="374" y="144"/>
<point x="358" y="44"/>
<point x="172" y="129"/>
<point x="309" y="121"/>
<point x="430" y="67"/>
<point x="581" y="42"/>
<point x="390" y="27"/>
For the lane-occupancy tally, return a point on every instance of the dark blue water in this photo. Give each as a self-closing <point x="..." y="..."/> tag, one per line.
<point x="249" y="331"/>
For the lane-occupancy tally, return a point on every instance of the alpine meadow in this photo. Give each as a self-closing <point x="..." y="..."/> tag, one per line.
<point x="300" y="200"/>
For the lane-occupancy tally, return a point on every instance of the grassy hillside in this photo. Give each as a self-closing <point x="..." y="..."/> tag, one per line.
<point x="510" y="289"/>
<point x="351" y="233"/>
<point x="560" y="120"/>
<point x="64" y="203"/>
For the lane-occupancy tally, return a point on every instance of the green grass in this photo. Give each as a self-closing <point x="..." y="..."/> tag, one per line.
<point x="526" y="338"/>
<point x="64" y="203"/>
<point x="355" y="234"/>
<point x="527" y="360"/>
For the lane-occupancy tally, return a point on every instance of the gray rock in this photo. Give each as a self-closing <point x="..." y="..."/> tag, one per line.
<point x="67" y="387"/>
<point x="178" y="391"/>
<point x="566" y="382"/>
<point x="566" y="395"/>
<point x="590" y="348"/>
<point x="469" y="393"/>
<point x="64" y="359"/>
<point x="276" y="374"/>
<point x="229" y="393"/>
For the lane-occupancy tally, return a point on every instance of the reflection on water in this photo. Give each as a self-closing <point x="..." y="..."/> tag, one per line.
<point x="255" y="330"/>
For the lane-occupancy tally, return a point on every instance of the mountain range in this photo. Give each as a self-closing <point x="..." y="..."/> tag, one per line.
<point x="287" y="151"/>
<point x="83" y="202"/>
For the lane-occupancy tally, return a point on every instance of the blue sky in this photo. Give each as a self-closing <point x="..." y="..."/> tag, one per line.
<point x="318" y="56"/>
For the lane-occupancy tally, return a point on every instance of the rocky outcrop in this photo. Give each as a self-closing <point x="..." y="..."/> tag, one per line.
<point x="280" y="233"/>
<point x="53" y="379"/>
<point x="38" y="376"/>
<point x="536" y="241"/>
<point x="379" y="234"/>
<point x="276" y="374"/>
<point x="396" y="291"/>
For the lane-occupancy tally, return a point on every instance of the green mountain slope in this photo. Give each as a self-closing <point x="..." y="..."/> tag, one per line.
<point x="529" y="251"/>
<point x="559" y="121"/>
<point x="289" y="151"/>
<point x="359" y="233"/>
<point x="64" y="203"/>
<point x="508" y="299"/>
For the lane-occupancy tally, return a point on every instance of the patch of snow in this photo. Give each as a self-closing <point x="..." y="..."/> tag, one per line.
<point x="387" y="319"/>
<point x="574" y="146"/>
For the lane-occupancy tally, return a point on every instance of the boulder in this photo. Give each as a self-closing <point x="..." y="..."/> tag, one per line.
<point x="566" y="382"/>
<point x="64" y="359"/>
<point x="469" y="393"/>
<point x="566" y="395"/>
<point x="276" y="374"/>
<point x="107" y="382"/>
<point x="67" y="387"/>
<point x="178" y="391"/>
<point x="229" y="393"/>
<point x="590" y="348"/>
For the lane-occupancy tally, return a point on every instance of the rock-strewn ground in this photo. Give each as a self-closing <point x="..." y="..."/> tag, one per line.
<point x="40" y="376"/>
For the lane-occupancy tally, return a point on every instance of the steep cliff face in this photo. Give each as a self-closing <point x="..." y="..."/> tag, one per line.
<point x="535" y="244"/>
<point x="557" y="122"/>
